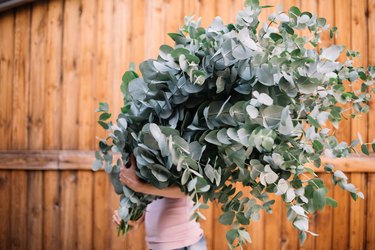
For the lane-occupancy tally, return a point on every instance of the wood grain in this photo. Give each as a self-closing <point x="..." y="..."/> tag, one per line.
<point x="59" y="58"/>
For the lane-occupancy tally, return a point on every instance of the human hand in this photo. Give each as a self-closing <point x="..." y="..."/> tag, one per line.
<point x="129" y="178"/>
<point x="116" y="219"/>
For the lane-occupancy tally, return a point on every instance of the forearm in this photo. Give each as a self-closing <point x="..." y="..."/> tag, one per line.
<point x="169" y="192"/>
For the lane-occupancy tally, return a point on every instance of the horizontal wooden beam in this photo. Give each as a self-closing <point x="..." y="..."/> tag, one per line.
<point x="82" y="160"/>
<point x="8" y="4"/>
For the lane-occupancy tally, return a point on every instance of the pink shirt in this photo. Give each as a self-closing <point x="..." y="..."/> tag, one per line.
<point x="168" y="226"/>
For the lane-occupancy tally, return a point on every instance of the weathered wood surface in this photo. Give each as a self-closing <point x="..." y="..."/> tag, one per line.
<point x="59" y="58"/>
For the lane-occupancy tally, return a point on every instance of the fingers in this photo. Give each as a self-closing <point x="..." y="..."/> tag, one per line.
<point x="116" y="218"/>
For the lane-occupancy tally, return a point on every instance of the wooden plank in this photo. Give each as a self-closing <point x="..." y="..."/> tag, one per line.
<point x="122" y="48"/>
<point x="326" y="10"/>
<point x="82" y="159"/>
<point x="18" y="213"/>
<point x="117" y="242"/>
<point x="25" y="159"/>
<point x="71" y="73"/>
<point x="21" y="78"/>
<point x="223" y="10"/>
<point x="310" y="240"/>
<point x="5" y="208"/>
<point x="358" y="214"/>
<point x="52" y="120"/>
<point x="51" y="209"/>
<point x="191" y="8"/>
<point x="236" y="6"/>
<point x="256" y="230"/>
<point x="9" y="4"/>
<point x="36" y="125"/>
<point x="87" y="78"/>
<point x="68" y="238"/>
<point x="138" y="29"/>
<point x="324" y="218"/>
<point x="340" y="221"/>
<point x="208" y="224"/>
<point x="359" y="43"/>
<point x="207" y="11"/>
<point x="343" y="23"/>
<point x="370" y="216"/>
<point x="53" y="75"/>
<point x="155" y="20"/>
<point x="104" y="67"/>
<point x="85" y="209"/>
<point x="371" y="61"/>
<point x="37" y="74"/>
<point x="18" y="200"/>
<point x="272" y="225"/>
<point x="34" y="210"/>
<point x="101" y="212"/>
<point x="173" y="11"/>
<point x="289" y="234"/>
<point x="219" y="230"/>
<point x="6" y="77"/>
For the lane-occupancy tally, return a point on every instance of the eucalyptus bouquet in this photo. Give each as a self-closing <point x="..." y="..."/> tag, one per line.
<point x="238" y="103"/>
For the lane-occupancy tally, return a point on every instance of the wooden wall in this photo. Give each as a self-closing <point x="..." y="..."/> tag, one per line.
<point x="59" y="58"/>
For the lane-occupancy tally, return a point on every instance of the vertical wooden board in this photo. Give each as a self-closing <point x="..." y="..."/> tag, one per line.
<point x="310" y="6"/>
<point x="135" y="240"/>
<point x="37" y="75"/>
<point x="223" y="10"/>
<point x="358" y="214"/>
<point x="70" y="65"/>
<point x="6" y="77"/>
<point x="35" y="210"/>
<point x="117" y="242"/>
<point x="191" y="8"/>
<point x="289" y="234"/>
<point x="19" y="213"/>
<point x="138" y="30"/>
<point x="102" y="216"/>
<point x="326" y="10"/>
<point x="155" y="30"/>
<point x="51" y="209"/>
<point x="85" y="209"/>
<point x="272" y="225"/>
<point x="21" y="77"/>
<point x="263" y="16"/>
<point x="53" y="75"/>
<point x="5" y="209"/>
<point x="370" y="216"/>
<point x="104" y="58"/>
<point x="371" y="61"/>
<point x="324" y="218"/>
<point x="121" y="48"/>
<point x="68" y="211"/>
<point x="310" y="240"/>
<point x="207" y="11"/>
<point x="342" y="21"/>
<point x="289" y="3"/>
<point x="87" y="76"/>
<point x="208" y="224"/>
<point x="236" y="6"/>
<point x="52" y="119"/>
<point x="18" y="201"/>
<point x="340" y="223"/>
<point x="219" y="240"/>
<point x="359" y="43"/>
<point x="256" y="231"/>
<point x="174" y="19"/>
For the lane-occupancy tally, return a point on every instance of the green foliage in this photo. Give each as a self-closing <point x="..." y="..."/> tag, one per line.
<point x="237" y="103"/>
